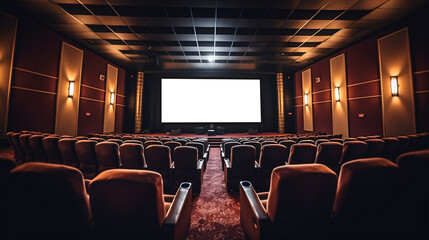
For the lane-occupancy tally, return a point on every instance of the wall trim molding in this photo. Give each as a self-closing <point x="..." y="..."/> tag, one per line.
<point x="420" y="92"/>
<point x="326" y="101"/>
<point x="91" y="99"/>
<point x="98" y="89"/>
<point x="298" y="96"/>
<point x="120" y="105"/>
<point x="34" y="90"/>
<point x="322" y="91"/>
<point x="361" y="83"/>
<point x="33" y="72"/>
<point x="120" y="95"/>
<point x="420" y="72"/>
<point x="358" y="98"/>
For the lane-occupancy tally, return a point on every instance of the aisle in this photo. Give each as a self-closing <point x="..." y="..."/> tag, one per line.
<point x="215" y="213"/>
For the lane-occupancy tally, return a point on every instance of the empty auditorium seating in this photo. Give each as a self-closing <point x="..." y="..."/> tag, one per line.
<point x="130" y="204"/>
<point x="257" y="146"/>
<point x="88" y="164"/>
<point x="45" y="201"/>
<point x="36" y="145"/>
<point x="20" y="155"/>
<point x="302" y="153"/>
<point x="107" y="156"/>
<point x="23" y="140"/>
<point x="329" y="154"/>
<point x="97" y="139"/>
<point x="298" y="205"/>
<point x="118" y="141"/>
<point x="50" y="144"/>
<point x="226" y="154"/>
<point x="158" y="159"/>
<point x="374" y="147"/>
<point x="201" y="152"/>
<point x="132" y="156"/>
<point x="390" y="148"/>
<point x="240" y="166"/>
<point x="67" y="148"/>
<point x="403" y="144"/>
<point x="352" y="150"/>
<point x="268" y="142"/>
<point x="319" y="141"/>
<point x="188" y="167"/>
<point x="366" y="204"/>
<point x="307" y="141"/>
<point x="172" y="145"/>
<point x="272" y="156"/>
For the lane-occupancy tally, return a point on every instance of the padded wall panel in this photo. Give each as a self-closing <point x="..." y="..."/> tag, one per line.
<point x="422" y="114"/>
<point x="364" y="90"/>
<point x="307" y="109"/>
<point x="321" y="96"/>
<point x="109" y="109"/>
<point x="31" y="111"/>
<point x="120" y="100"/>
<point x="370" y="123"/>
<point x="340" y="121"/>
<point x="122" y="83"/>
<point x="93" y="66"/>
<point x="299" y="120"/>
<point x="34" y="81"/>
<point x="322" y="117"/>
<point x="119" y="118"/>
<point x="321" y="70"/>
<point x="421" y="81"/>
<point x="398" y="111"/>
<point x="94" y="122"/>
<point x="8" y="26"/>
<point x="362" y="61"/>
<point x="92" y="93"/>
<point x="68" y="107"/>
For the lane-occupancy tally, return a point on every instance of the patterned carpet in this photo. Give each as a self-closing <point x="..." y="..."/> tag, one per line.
<point x="215" y="213"/>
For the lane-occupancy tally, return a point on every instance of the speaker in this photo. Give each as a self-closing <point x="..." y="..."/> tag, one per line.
<point x="199" y="130"/>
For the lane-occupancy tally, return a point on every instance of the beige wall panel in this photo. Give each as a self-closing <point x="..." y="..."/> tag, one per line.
<point x="340" y="121"/>
<point x="307" y="110"/>
<point x="68" y="107"/>
<point x="394" y="60"/>
<point x="8" y="25"/>
<point x="109" y="109"/>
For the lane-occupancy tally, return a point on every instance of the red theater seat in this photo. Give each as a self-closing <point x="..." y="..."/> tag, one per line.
<point x="25" y="144"/>
<point x="36" y="145"/>
<point x="329" y="154"/>
<point x="107" y="156"/>
<point x="158" y="159"/>
<point x="187" y="167"/>
<point x="67" y="147"/>
<point x="302" y="153"/>
<point x="353" y="150"/>
<point x="240" y="167"/>
<point x="375" y="147"/>
<point x="172" y="145"/>
<point x="85" y="150"/>
<point x="50" y="144"/>
<point x="132" y="156"/>
<point x="272" y="156"/>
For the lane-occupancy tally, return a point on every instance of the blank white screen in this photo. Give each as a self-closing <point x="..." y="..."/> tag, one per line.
<point x="210" y="100"/>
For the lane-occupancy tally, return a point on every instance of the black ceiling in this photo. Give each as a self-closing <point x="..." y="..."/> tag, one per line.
<point x="240" y="35"/>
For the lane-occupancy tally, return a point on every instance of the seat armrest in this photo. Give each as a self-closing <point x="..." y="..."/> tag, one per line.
<point x="254" y="219"/>
<point x="205" y="155"/>
<point x="222" y="154"/>
<point x="257" y="165"/>
<point x="200" y="164"/>
<point x="227" y="163"/>
<point x="178" y="219"/>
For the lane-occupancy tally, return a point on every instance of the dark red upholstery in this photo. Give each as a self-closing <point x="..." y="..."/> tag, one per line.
<point x="67" y="147"/>
<point x="272" y="156"/>
<point x="308" y="141"/>
<point x="257" y="146"/>
<point x="414" y="143"/>
<point x="107" y="155"/>
<point x="172" y="145"/>
<point x="268" y="142"/>
<point x="97" y="139"/>
<point x="302" y="153"/>
<point x="45" y="201"/>
<point x="132" y="156"/>
<point x="240" y="167"/>
<point x="353" y="150"/>
<point x="403" y="144"/>
<point x="118" y="141"/>
<point x="329" y="154"/>
<point x="50" y="144"/>
<point x="36" y="145"/>
<point x="374" y="147"/>
<point x="88" y="164"/>
<point x="390" y="148"/>
<point x="20" y="155"/>
<point x="158" y="159"/>
<point x="298" y="205"/>
<point x="129" y="204"/>
<point x="338" y="140"/>
<point x="319" y="141"/>
<point x="187" y="167"/>
<point x="226" y="154"/>
<point x="25" y="144"/>
<point x="367" y="199"/>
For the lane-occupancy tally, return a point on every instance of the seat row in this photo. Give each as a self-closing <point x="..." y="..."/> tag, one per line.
<point x="50" y="201"/>
<point x="372" y="198"/>
<point x="256" y="161"/>
<point x="174" y="162"/>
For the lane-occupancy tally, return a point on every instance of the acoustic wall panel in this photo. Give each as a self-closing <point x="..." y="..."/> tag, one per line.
<point x="68" y="106"/>
<point x="394" y="60"/>
<point x="340" y="121"/>
<point x="307" y="100"/>
<point x="8" y="25"/>
<point x="280" y="102"/>
<point x="109" y="103"/>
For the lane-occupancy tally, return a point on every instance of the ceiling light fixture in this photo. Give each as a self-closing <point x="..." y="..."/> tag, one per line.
<point x="211" y="58"/>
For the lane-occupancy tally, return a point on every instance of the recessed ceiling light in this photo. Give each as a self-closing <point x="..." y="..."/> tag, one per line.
<point x="211" y="58"/>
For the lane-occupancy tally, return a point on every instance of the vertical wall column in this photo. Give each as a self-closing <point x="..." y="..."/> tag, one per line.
<point x="110" y="99"/>
<point x="68" y="104"/>
<point x="394" y="60"/>
<point x="8" y="25"/>
<point x="139" y="102"/>
<point x="307" y="95"/>
<point x="340" y="121"/>
<point x="280" y="102"/>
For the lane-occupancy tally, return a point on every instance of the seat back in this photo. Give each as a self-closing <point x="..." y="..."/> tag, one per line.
<point x="329" y="154"/>
<point x="158" y="159"/>
<point x="36" y="145"/>
<point x="288" y="144"/>
<point x="107" y="155"/>
<point x="300" y="200"/>
<point x="308" y="141"/>
<point x="390" y="148"/>
<point x="227" y="148"/>
<point x="414" y="143"/>
<point x="97" y="139"/>
<point x="151" y="142"/>
<point x="115" y="140"/>
<point x="20" y="157"/>
<point x="374" y="147"/>
<point x="88" y="164"/>
<point x="132" y="156"/>
<point x="268" y="142"/>
<point x="366" y="201"/>
<point x="319" y="141"/>
<point x="302" y="153"/>
<point x="272" y="156"/>
<point x="352" y="150"/>
<point x="25" y="144"/>
<point x="185" y="165"/>
<point x="45" y="201"/>
<point x="127" y="137"/>
<point x="243" y="163"/>
<point x="50" y="144"/>
<point x="403" y="144"/>
<point x="257" y="146"/>
<point x="172" y="145"/>
<point x="127" y="204"/>
<point x="199" y="146"/>
<point x="67" y="147"/>
<point x="181" y="141"/>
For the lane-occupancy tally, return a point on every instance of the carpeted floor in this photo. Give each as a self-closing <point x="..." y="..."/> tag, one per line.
<point x="215" y="213"/>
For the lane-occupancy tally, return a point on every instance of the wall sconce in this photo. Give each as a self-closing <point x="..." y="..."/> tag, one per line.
<point x="394" y="85"/>
<point x="71" y="89"/>
<point x="337" y="94"/>
<point x="306" y="99"/>
<point x="112" y="98"/>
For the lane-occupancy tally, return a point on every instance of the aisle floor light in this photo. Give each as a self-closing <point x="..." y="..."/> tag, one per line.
<point x="394" y="85"/>
<point x="112" y="98"/>
<point x="306" y="99"/>
<point x="337" y="94"/>
<point x="71" y="89"/>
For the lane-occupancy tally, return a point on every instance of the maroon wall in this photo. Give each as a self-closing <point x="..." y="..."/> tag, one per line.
<point x="34" y="83"/>
<point x="363" y="80"/>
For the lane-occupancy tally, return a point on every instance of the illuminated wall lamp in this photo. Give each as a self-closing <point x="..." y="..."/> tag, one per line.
<point x="71" y="89"/>
<point x="112" y="98"/>
<point x="337" y="94"/>
<point x="394" y="85"/>
<point x="306" y="99"/>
